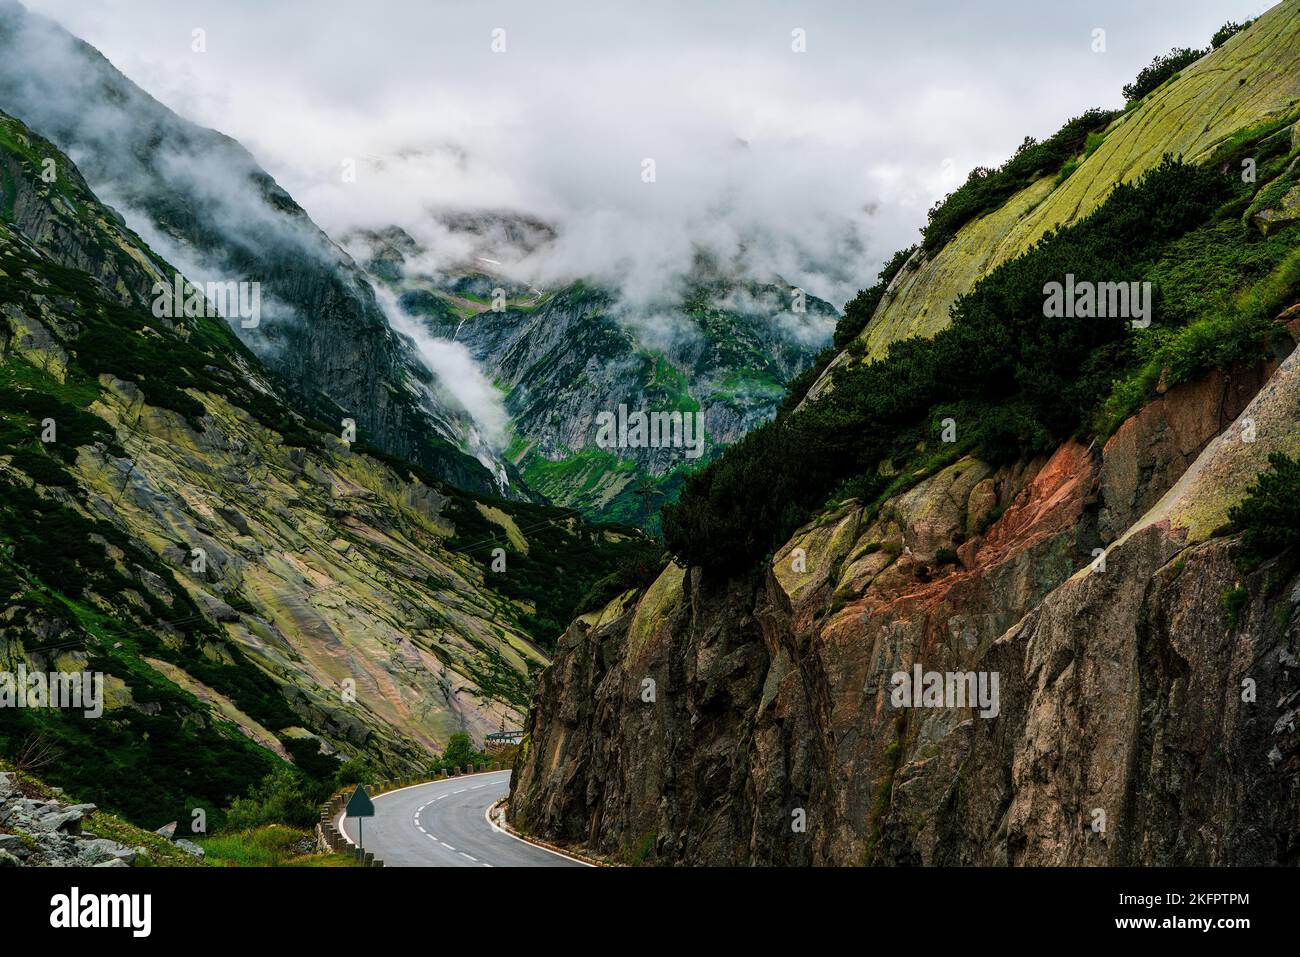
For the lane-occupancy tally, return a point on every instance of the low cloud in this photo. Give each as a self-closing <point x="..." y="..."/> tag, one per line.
<point x="456" y="371"/>
<point x="813" y="166"/>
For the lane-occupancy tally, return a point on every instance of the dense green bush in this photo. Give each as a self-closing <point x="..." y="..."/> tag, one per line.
<point x="282" y="797"/>
<point x="1227" y="32"/>
<point x="1014" y="380"/>
<point x="636" y="572"/>
<point x="1269" y="516"/>
<point x="459" y="754"/>
<point x="985" y="190"/>
<point x="1220" y="288"/>
<point x="42" y="469"/>
<point x="1159" y="70"/>
<point x="74" y="427"/>
<point x="148" y="769"/>
<point x="293" y="794"/>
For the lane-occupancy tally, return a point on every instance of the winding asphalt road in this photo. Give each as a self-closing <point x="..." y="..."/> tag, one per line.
<point x="444" y="824"/>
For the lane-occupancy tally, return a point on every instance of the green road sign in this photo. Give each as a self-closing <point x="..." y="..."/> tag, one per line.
<point x="360" y="805"/>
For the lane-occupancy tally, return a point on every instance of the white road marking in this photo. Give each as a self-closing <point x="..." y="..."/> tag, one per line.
<point x="446" y="845"/>
<point x="487" y="816"/>
<point x="474" y="859"/>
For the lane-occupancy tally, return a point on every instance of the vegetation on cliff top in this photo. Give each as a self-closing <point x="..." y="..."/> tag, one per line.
<point x="1164" y="68"/>
<point x="987" y="189"/>
<point x="1014" y="380"/>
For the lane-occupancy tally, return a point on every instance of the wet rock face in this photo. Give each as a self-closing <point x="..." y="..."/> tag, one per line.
<point x="1128" y="736"/>
<point x="1121" y="731"/>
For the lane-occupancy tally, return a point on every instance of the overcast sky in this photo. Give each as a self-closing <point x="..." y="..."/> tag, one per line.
<point x="818" y="165"/>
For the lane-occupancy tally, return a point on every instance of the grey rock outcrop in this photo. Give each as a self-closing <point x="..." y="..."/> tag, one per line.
<point x="1123" y="731"/>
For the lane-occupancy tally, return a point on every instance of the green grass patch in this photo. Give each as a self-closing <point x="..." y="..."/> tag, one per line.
<point x="269" y="846"/>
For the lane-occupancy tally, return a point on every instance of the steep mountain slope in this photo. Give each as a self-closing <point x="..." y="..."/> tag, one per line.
<point x="724" y="349"/>
<point x="1251" y="83"/>
<point x="254" y="588"/>
<point x="1076" y="549"/>
<point x="201" y="200"/>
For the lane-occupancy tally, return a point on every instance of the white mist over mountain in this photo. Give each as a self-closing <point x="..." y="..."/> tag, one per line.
<point x="455" y="369"/>
<point x="813" y="166"/>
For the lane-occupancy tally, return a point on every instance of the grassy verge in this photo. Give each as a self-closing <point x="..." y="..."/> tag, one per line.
<point x="272" y="845"/>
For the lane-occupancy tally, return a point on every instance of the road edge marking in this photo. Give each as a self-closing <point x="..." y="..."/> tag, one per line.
<point x="487" y="815"/>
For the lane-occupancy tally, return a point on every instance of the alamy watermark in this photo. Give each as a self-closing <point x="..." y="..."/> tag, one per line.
<point x="228" y="300"/>
<point x="53" y="689"/>
<point x="1098" y="300"/>
<point x="133" y="912"/>
<point x="651" y="430"/>
<point x="946" y="689"/>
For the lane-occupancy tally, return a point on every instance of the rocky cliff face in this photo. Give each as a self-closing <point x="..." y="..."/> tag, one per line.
<point x="707" y="721"/>
<point x="1058" y="660"/>
<point x="201" y="200"/>
<point x="723" y="349"/>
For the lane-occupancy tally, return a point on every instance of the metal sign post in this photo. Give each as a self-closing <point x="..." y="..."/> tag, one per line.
<point x="360" y="806"/>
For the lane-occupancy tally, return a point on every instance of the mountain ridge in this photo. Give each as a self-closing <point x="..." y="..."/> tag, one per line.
<point x="201" y="197"/>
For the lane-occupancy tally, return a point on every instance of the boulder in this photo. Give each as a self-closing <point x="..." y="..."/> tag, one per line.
<point x="189" y="847"/>
<point x="68" y="820"/>
<point x="102" y="849"/>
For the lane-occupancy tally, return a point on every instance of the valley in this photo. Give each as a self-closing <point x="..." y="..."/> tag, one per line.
<point x="724" y="349"/>
<point x="584" y="518"/>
